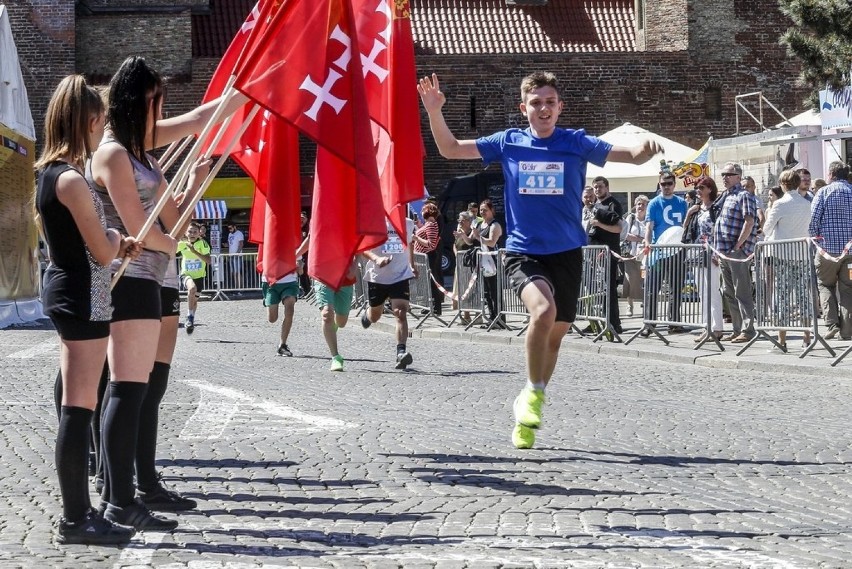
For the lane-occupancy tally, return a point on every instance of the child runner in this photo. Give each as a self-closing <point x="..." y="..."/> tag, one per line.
<point x="545" y="170"/>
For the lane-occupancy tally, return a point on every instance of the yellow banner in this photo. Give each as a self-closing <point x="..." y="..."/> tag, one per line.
<point x="18" y="235"/>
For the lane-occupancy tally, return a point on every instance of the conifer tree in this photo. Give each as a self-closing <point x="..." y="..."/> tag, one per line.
<point x="821" y="37"/>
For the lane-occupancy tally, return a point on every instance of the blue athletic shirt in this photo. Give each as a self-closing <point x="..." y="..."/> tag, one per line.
<point x="544" y="186"/>
<point x="666" y="213"/>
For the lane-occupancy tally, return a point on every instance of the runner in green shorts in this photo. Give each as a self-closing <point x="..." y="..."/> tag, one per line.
<point x="284" y="291"/>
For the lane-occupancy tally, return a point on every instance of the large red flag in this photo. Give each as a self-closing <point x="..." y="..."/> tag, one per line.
<point x="247" y="150"/>
<point x="278" y="197"/>
<point x="390" y="79"/>
<point x="303" y="70"/>
<point x="268" y="151"/>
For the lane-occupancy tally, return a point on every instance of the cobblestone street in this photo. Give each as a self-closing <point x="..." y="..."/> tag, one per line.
<point x="641" y="462"/>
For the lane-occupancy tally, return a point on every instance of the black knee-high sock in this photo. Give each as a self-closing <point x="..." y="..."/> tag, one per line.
<point x="119" y="429"/>
<point x="57" y="394"/>
<point x="146" y="449"/>
<point x="96" y="420"/>
<point x="72" y="461"/>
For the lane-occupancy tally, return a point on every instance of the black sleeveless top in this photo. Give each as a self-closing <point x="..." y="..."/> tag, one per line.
<point x="75" y="285"/>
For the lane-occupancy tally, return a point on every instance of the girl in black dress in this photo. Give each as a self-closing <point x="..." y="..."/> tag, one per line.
<point x="76" y="293"/>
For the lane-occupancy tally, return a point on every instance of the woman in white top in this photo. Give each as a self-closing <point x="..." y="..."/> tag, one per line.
<point x="788" y="218"/>
<point x="632" y="288"/>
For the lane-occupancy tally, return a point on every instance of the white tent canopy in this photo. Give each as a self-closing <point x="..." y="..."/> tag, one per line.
<point x="14" y="105"/>
<point x="637" y="177"/>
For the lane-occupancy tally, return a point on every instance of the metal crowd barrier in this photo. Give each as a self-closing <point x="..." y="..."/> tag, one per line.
<point x="510" y="302"/>
<point x="593" y="300"/>
<point x="421" y="292"/>
<point x="468" y="294"/>
<point x="493" y="288"/>
<point x="671" y="292"/>
<point x="785" y="282"/>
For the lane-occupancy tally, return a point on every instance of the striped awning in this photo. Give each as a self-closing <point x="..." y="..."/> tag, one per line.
<point x="211" y="209"/>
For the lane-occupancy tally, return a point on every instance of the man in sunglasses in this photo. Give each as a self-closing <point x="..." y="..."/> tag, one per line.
<point x="734" y="235"/>
<point x="664" y="212"/>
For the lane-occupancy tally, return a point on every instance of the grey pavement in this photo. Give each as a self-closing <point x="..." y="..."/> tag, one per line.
<point x="649" y="455"/>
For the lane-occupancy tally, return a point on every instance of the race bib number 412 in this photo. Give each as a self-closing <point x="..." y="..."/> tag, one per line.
<point x="541" y="178"/>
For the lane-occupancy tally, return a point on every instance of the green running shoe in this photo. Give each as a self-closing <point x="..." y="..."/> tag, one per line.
<point x="336" y="363"/>
<point x="527" y="407"/>
<point x="523" y="437"/>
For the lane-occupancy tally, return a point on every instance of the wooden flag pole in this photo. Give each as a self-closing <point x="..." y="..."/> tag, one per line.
<point x="172" y="152"/>
<point x="187" y="213"/>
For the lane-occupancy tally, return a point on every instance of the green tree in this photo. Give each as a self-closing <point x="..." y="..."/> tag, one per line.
<point x="821" y="37"/>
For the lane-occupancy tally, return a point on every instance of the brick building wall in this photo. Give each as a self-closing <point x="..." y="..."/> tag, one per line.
<point x="44" y="35"/>
<point x="683" y="94"/>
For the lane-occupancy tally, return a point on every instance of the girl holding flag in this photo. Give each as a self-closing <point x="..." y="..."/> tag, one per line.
<point x="130" y="182"/>
<point x="76" y="293"/>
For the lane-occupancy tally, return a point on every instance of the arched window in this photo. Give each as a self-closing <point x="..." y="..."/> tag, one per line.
<point x="713" y="103"/>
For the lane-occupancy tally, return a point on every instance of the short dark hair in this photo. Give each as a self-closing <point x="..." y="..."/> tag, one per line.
<point x="537" y="80"/>
<point x="601" y="179"/>
<point x="838" y="170"/>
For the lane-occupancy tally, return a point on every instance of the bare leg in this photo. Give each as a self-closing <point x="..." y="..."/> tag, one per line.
<point x="544" y="335"/>
<point x="328" y="331"/>
<point x="400" y="311"/>
<point x="287" y="322"/>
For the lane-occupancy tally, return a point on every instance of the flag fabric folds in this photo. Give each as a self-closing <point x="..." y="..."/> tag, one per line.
<point x="342" y="73"/>
<point x="305" y="70"/>
<point x="390" y="79"/>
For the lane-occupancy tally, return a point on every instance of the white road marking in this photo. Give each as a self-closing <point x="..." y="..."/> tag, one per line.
<point x="219" y="404"/>
<point x="46" y="347"/>
<point x="140" y="552"/>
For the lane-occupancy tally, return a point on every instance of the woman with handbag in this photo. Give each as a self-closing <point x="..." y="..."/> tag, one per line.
<point x="630" y="248"/>
<point x="488" y="232"/>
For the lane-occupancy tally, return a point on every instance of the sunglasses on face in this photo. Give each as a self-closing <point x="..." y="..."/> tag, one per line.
<point x="726" y="174"/>
<point x="667" y="183"/>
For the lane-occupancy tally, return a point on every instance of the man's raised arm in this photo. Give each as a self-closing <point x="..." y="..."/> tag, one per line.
<point x="448" y="145"/>
<point x="638" y="154"/>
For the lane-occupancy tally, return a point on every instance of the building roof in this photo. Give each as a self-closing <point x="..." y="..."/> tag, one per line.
<point x="490" y="26"/>
<point x="451" y="27"/>
<point x="212" y="33"/>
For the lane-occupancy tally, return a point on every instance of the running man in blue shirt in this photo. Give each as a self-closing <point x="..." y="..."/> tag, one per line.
<point x="545" y="170"/>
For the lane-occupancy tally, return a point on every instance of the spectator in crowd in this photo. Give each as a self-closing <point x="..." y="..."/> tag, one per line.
<point x="389" y="268"/>
<point x="805" y="183"/>
<point x="734" y="236"/>
<point x="236" y="240"/>
<point x="819" y="183"/>
<point x="665" y="211"/>
<point x="633" y="282"/>
<point x="426" y="240"/>
<point x="788" y="218"/>
<point x="605" y="229"/>
<point x="775" y="193"/>
<point x="462" y="243"/>
<point x="708" y="284"/>
<point x="589" y="200"/>
<point x="750" y="187"/>
<point x="473" y="210"/>
<point x="831" y="221"/>
<point x="488" y="233"/>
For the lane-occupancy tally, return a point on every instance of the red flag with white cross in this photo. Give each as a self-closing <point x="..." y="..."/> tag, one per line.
<point x="306" y="69"/>
<point x="390" y="79"/>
